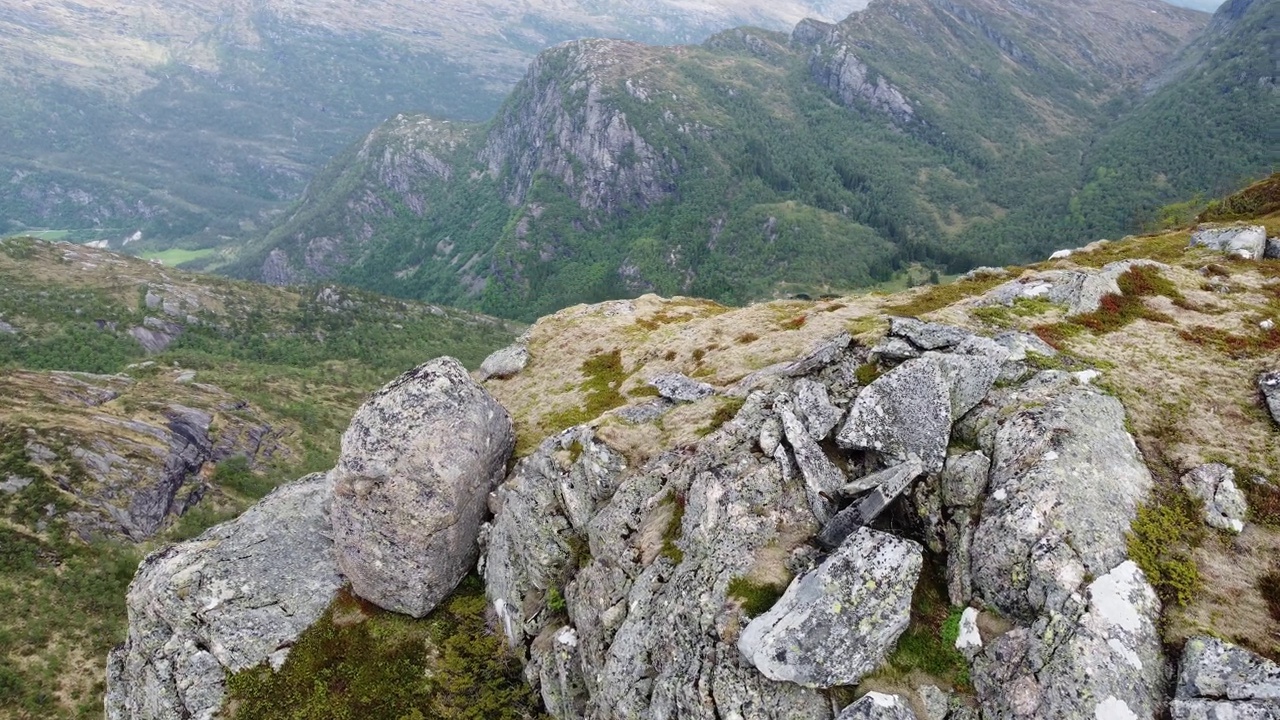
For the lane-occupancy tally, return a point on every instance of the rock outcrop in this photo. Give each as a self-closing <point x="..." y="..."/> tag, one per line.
<point x="1220" y="681"/>
<point x="235" y="597"/>
<point x="838" y="623"/>
<point x="1269" y="386"/>
<point x="410" y="488"/>
<point x="1249" y="243"/>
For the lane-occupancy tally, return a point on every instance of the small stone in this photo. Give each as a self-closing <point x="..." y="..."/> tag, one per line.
<point x="1061" y="255"/>
<point x="878" y="706"/>
<point x="936" y="701"/>
<point x="927" y="336"/>
<point x="1269" y="384"/>
<point x="1214" y="484"/>
<point x="969" y="638"/>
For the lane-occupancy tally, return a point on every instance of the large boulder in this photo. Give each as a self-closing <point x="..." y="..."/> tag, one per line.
<point x="839" y="622"/>
<point x="1220" y="681"/>
<point x="1066" y="480"/>
<point x="411" y="486"/>
<point x="505" y="362"/>
<point x="233" y="598"/>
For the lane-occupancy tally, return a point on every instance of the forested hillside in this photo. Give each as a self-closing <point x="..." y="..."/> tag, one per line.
<point x="197" y="121"/>
<point x="948" y="133"/>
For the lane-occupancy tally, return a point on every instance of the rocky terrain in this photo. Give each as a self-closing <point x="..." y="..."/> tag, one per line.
<point x="1046" y="491"/>
<point x="195" y="121"/>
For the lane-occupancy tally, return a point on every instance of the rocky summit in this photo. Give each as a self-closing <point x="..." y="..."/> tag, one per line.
<point x="989" y="499"/>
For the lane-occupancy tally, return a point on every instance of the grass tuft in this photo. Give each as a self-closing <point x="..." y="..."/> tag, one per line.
<point x="755" y="598"/>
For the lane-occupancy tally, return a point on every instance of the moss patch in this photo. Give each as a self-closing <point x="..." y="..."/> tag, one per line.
<point x="603" y="378"/>
<point x="674" y="530"/>
<point x="379" y="664"/>
<point x="726" y="411"/>
<point x="928" y="644"/>
<point x="755" y="598"/>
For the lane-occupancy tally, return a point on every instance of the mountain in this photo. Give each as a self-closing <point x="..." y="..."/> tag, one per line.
<point x="141" y="404"/>
<point x="944" y="131"/>
<point x="1049" y="491"/>
<point x="1206" y="125"/>
<point x="179" y="119"/>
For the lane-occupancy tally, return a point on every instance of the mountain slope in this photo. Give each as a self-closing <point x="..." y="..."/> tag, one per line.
<point x="915" y="130"/>
<point x="139" y="405"/>
<point x="182" y="119"/>
<point x="1207" y="125"/>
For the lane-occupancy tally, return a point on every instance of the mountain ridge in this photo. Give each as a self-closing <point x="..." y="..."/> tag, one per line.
<point x="912" y="149"/>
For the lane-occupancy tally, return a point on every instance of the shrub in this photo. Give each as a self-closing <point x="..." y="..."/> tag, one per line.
<point x="1161" y="541"/>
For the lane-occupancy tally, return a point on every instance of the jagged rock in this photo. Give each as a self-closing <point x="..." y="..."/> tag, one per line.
<point x="1224" y="504"/>
<point x="546" y="505"/>
<point x="1102" y="659"/>
<point x="1065" y="484"/>
<point x="833" y="65"/>
<point x="884" y="487"/>
<point x="1082" y="290"/>
<point x="822" y="479"/>
<point x="878" y="706"/>
<point x="1269" y="384"/>
<point x="1273" y="249"/>
<point x="152" y="300"/>
<point x="680" y="388"/>
<point x="231" y="599"/>
<point x="1249" y="243"/>
<point x="418" y="462"/>
<point x="276" y="269"/>
<point x="645" y="645"/>
<point x="838" y="623"/>
<point x="910" y="409"/>
<point x="962" y="484"/>
<point x="927" y="336"/>
<point x="770" y="436"/>
<point x="814" y="409"/>
<point x="894" y="349"/>
<point x="1220" y="681"/>
<point x="505" y="362"/>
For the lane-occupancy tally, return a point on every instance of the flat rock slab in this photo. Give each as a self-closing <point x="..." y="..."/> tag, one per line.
<point x="925" y="335"/>
<point x="412" y="483"/>
<point x="677" y="387"/>
<point x="839" y="622"/>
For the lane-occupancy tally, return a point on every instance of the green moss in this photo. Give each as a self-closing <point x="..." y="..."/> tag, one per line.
<point x="1162" y="541"/>
<point x="727" y="410"/>
<point x="755" y="598"/>
<point x="644" y="391"/>
<point x="359" y="661"/>
<point x="674" y="530"/>
<point x="867" y="373"/>
<point x="940" y="296"/>
<point x="555" y="600"/>
<point x="603" y="378"/>
<point x="928" y="644"/>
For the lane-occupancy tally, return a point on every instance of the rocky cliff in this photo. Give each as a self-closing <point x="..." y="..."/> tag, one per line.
<point x="966" y="501"/>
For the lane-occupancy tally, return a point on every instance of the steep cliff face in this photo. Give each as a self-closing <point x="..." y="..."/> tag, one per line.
<point x="941" y="132"/>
